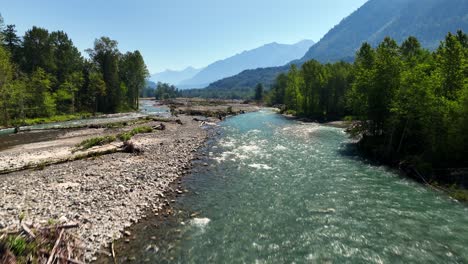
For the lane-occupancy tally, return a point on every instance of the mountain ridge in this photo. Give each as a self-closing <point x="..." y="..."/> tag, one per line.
<point x="254" y="58"/>
<point x="428" y="20"/>
<point x="174" y="76"/>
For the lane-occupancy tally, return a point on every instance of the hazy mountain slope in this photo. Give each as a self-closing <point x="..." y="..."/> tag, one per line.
<point x="428" y="20"/>
<point x="174" y="77"/>
<point x="272" y="54"/>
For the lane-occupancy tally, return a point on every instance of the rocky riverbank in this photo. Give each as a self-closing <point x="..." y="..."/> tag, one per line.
<point x="104" y="194"/>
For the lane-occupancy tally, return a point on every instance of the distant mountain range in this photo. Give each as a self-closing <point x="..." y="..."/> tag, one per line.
<point x="428" y="20"/>
<point x="273" y="54"/>
<point x="174" y="77"/>
<point x="268" y="55"/>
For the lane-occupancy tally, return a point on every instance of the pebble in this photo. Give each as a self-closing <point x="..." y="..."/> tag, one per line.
<point x="106" y="196"/>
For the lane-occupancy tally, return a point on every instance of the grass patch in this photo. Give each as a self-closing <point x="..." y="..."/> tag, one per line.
<point x="137" y="130"/>
<point x="158" y="119"/>
<point x="53" y="119"/>
<point x="96" y="141"/>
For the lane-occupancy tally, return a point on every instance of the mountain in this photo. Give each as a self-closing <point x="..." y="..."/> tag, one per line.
<point x="268" y="55"/>
<point x="150" y="84"/>
<point x="174" y="77"/>
<point x="428" y="20"/>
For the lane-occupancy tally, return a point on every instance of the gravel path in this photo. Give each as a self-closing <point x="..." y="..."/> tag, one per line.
<point x="104" y="194"/>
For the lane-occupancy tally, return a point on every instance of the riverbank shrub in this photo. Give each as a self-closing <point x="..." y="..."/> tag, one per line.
<point x="95" y="141"/>
<point x="137" y="130"/>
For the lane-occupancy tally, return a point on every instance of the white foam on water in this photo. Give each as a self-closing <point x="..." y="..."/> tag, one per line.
<point x="200" y="222"/>
<point x="301" y="130"/>
<point x="249" y="148"/>
<point x="280" y="148"/>
<point x="254" y="131"/>
<point x="227" y="143"/>
<point x="260" y="166"/>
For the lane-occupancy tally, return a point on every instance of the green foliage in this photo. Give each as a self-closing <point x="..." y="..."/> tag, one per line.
<point x="315" y="91"/>
<point x="53" y="119"/>
<point x="138" y="130"/>
<point x="258" y="92"/>
<point x="133" y="73"/>
<point x="412" y="104"/>
<point x="124" y="136"/>
<point x="45" y="74"/>
<point x="17" y="245"/>
<point x="95" y="141"/>
<point x="165" y="91"/>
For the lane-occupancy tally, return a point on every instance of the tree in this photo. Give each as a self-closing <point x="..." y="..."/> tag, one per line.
<point x="165" y="91"/>
<point x="258" y="92"/>
<point x="311" y="99"/>
<point x="106" y="56"/>
<point x="450" y="60"/>
<point x="11" y="41"/>
<point x="357" y="98"/>
<point x="65" y="56"/>
<point x="133" y="73"/>
<point x="97" y="88"/>
<point x="41" y="103"/>
<point x="385" y="83"/>
<point x="37" y="51"/>
<point x="6" y="74"/>
<point x="66" y="94"/>
<point x="292" y="93"/>
<point x="1" y="27"/>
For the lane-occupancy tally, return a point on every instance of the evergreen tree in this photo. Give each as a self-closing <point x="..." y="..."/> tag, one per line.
<point x="258" y="92"/>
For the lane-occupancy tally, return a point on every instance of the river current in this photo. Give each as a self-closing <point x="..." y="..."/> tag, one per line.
<point x="280" y="191"/>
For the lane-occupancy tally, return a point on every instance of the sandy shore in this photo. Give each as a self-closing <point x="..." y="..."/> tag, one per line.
<point x="103" y="194"/>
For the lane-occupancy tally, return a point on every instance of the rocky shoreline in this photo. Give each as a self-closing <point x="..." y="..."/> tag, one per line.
<point x="104" y="194"/>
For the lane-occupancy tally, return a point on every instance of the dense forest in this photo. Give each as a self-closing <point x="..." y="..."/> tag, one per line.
<point x="43" y="74"/>
<point x="409" y="104"/>
<point x="165" y="91"/>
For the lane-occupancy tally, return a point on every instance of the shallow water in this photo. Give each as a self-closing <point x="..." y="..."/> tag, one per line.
<point x="278" y="191"/>
<point x="50" y="131"/>
<point x="147" y="107"/>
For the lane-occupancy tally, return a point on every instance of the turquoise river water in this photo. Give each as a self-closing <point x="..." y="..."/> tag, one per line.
<point x="280" y="191"/>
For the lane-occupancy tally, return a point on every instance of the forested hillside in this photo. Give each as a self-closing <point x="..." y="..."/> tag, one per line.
<point x="43" y="74"/>
<point x="429" y="21"/>
<point x="239" y="86"/>
<point x="410" y="104"/>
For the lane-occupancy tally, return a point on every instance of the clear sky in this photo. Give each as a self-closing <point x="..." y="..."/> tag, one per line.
<point x="173" y="34"/>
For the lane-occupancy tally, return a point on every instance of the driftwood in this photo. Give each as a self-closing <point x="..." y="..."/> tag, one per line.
<point x="161" y="126"/>
<point x="67" y="247"/>
<point x="54" y="249"/>
<point x="113" y="253"/>
<point x="27" y="230"/>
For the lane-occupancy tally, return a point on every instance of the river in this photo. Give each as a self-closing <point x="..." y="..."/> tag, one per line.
<point x="50" y="131"/>
<point x="279" y="191"/>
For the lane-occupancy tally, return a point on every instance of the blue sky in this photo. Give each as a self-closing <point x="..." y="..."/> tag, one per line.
<point x="173" y="34"/>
